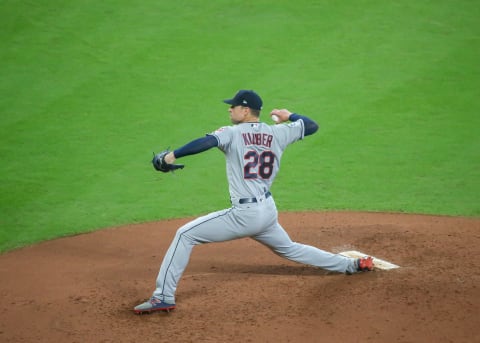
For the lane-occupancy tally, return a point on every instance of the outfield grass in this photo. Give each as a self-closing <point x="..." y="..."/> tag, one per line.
<point x="90" y="89"/>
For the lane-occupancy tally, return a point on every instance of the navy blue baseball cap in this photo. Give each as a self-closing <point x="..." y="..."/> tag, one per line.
<point x="247" y="98"/>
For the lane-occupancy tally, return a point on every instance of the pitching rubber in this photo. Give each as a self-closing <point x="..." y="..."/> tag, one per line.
<point x="379" y="263"/>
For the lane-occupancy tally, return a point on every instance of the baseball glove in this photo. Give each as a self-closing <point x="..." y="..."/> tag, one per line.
<point x="159" y="163"/>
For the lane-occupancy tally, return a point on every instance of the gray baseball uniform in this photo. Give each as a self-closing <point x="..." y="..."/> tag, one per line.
<point x="253" y="152"/>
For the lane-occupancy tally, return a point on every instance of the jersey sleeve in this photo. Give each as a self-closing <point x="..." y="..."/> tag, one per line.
<point x="287" y="134"/>
<point x="196" y="146"/>
<point x="224" y="137"/>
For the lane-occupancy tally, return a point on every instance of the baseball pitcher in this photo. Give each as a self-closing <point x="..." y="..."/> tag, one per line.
<point x="253" y="151"/>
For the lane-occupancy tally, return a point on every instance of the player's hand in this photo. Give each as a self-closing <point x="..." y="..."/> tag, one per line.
<point x="170" y="158"/>
<point x="280" y="116"/>
<point x="164" y="160"/>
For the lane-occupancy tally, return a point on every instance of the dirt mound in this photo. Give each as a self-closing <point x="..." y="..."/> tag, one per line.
<point x="83" y="288"/>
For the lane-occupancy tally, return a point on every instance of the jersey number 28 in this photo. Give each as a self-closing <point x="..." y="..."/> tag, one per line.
<point x="258" y="164"/>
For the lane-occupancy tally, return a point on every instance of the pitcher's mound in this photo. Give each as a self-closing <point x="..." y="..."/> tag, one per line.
<point x="83" y="288"/>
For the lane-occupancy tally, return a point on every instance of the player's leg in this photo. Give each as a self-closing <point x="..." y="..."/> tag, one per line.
<point x="214" y="227"/>
<point x="278" y="240"/>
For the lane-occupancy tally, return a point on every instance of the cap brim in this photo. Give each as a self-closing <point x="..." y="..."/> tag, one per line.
<point x="228" y="101"/>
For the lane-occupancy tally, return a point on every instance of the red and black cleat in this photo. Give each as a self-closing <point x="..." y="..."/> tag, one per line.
<point x="365" y="264"/>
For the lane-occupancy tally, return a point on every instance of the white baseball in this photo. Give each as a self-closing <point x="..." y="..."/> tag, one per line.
<point x="275" y="118"/>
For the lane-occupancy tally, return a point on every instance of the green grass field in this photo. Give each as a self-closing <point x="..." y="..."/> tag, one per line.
<point x="90" y="89"/>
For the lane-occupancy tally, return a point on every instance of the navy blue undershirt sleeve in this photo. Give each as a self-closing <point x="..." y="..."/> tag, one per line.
<point x="196" y="146"/>
<point x="310" y="126"/>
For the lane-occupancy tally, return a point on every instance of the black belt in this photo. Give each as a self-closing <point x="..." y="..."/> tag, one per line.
<point x="252" y="200"/>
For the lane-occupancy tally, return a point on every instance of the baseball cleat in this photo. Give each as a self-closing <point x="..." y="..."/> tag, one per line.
<point x="153" y="305"/>
<point x="365" y="264"/>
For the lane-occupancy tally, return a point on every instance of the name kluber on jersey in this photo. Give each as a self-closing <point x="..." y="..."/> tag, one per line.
<point x="264" y="139"/>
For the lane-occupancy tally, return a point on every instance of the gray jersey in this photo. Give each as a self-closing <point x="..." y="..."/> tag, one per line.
<point x="253" y="152"/>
